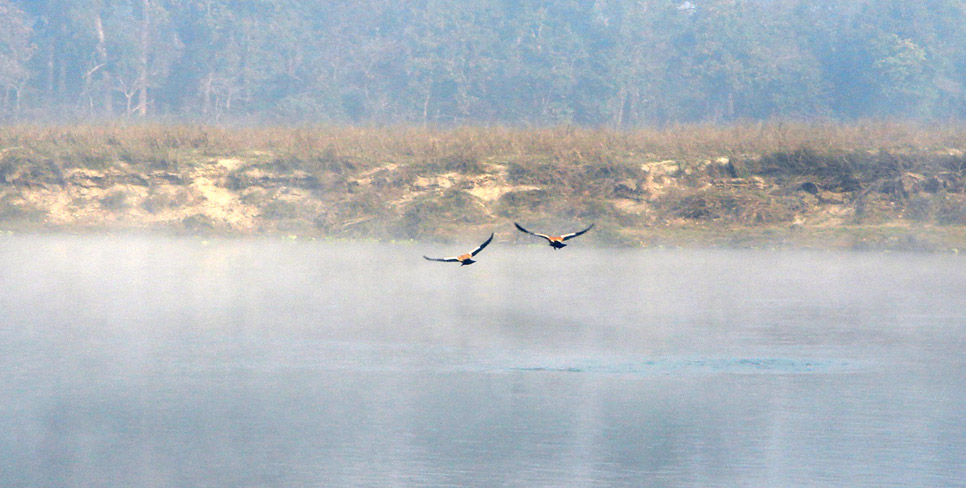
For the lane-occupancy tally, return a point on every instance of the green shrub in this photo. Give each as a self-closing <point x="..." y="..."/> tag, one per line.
<point x="522" y="202"/>
<point x="834" y="172"/>
<point x="198" y="223"/>
<point x="952" y="211"/>
<point x="922" y="208"/>
<point x="430" y="214"/>
<point x="726" y="204"/>
<point x="115" y="200"/>
<point x="14" y="209"/>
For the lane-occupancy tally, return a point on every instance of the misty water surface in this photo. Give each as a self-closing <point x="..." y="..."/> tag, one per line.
<point x="136" y="361"/>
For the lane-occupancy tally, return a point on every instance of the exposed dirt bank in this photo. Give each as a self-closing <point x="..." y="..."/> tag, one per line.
<point x="187" y="181"/>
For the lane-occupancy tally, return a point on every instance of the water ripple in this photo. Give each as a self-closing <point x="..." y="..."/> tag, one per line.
<point x="671" y="366"/>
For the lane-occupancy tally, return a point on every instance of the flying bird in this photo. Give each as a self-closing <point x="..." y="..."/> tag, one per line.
<point x="556" y="242"/>
<point x="463" y="259"/>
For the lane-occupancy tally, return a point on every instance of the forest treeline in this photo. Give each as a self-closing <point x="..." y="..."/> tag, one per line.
<point x="614" y="63"/>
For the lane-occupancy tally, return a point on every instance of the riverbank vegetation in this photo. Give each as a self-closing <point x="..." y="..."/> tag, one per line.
<point x="871" y="185"/>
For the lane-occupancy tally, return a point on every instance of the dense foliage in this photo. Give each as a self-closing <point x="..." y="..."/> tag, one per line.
<point x="618" y="63"/>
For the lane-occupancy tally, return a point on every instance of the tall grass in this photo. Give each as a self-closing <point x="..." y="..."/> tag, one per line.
<point x="91" y="145"/>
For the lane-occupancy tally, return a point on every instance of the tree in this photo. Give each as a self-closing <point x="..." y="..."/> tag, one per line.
<point x="623" y="63"/>
<point x="643" y="66"/>
<point x="449" y="53"/>
<point x="16" y="50"/>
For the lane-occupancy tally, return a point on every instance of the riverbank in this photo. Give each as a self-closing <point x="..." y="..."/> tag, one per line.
<point x="871" y="186"/>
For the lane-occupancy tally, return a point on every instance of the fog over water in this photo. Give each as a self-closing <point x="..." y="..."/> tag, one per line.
<point x="148" y="361"/>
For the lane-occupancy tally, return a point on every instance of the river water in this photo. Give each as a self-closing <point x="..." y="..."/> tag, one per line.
<point x="177" y="362"/>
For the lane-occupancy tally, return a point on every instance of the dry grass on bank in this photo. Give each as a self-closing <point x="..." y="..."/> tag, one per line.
<point x="716" y="182"/>
<point x="161" y="144"/>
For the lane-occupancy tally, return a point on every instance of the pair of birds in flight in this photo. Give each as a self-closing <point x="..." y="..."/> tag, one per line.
<point x="556" y="242"/>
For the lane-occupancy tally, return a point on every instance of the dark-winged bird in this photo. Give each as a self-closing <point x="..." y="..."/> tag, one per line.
<point x="556" y="242"/>
<point x="463" y="259"/>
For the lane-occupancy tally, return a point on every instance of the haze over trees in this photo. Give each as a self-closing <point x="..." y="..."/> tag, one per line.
<point x="613" y="63"/>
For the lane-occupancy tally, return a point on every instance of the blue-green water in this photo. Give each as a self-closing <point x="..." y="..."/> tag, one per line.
<point x="135" y="361"/>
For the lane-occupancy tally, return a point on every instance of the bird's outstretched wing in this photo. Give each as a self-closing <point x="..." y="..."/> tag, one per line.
<point x="575" y="234"/>
<point x="445" y="260"/>
<point x="481" y="246"/>
<point x="545" y="236"/>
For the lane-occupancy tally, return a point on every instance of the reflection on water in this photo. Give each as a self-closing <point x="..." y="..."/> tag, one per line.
<point x="172" y="362"/>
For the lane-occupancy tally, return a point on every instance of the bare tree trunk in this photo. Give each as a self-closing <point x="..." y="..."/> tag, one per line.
<point x="102" y="61"/>
<point x="51" y="49"/>
<point x="16" y="110"/>
<point x="142" y="83"/>
<point x="622" y="101"/>
<point x="206" y="94"/>
<point x="429" y="95"/>
<point x="62" y="68"/>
